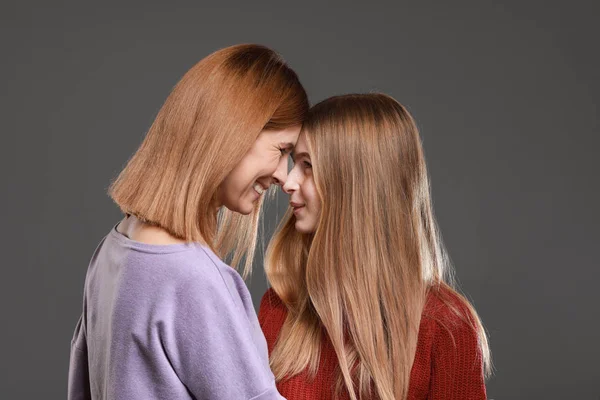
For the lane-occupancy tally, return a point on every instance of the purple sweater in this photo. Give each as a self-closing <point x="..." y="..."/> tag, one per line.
<point x="166" y="322"/>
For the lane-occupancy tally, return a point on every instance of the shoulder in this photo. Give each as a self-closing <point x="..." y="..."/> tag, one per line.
<point x="452" y="352"/>
<point x="190" y="276"/>
<point x="446" y="307"/>
<point x="206" y="294"/>
<point x="201" y="266"/>
<point x="450" y="322"/>
<point x="206" y="274"/>
<point x="164" y="265"/>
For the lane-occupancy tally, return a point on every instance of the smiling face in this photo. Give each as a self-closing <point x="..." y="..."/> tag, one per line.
<point x="300" y="185"/>
<point x="263" y="165"/>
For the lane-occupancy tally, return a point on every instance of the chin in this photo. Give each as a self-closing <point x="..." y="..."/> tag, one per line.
<point x="245" y="209"/>
<point x="303" y="228"/>
<point x="242" y="208"/>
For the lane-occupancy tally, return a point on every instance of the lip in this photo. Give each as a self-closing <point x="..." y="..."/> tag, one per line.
<point x="297" y="206"/>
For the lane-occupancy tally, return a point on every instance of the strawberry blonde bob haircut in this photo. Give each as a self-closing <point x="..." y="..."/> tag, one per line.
<point x="207" y="124"/>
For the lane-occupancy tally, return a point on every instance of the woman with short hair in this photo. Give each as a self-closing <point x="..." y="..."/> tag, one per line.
<point x="163" y="316"/>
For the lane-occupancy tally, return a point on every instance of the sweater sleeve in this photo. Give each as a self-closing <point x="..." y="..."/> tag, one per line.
<point x="79" y="379"/>
<point x="211" y="346"/>
<point x="457" y="364"/>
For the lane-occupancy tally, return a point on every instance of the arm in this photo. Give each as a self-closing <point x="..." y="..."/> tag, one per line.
<point x="79" y="380"/>
<point x="212" y="347"/>
<point x="457" y="365"/>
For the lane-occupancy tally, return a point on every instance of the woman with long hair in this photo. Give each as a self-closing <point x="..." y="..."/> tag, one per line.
<point x="163" y="316"/>
<point x="362" y="304"/>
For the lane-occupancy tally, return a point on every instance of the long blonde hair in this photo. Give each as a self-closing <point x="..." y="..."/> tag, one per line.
<point x="207" y="124"/>
<point x="363" y="276"/>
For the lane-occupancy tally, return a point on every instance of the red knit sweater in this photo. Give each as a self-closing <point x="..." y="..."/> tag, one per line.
<point x="448" y="363"/>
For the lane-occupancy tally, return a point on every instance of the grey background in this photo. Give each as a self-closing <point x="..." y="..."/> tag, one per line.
<point x="505" y="94"/>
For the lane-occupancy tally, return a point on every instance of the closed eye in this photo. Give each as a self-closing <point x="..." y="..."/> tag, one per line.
<point x="284" y="150"/>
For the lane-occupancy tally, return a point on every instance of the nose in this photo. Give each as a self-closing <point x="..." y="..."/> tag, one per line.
<point x="291" y="184"/>
<point x="280" y="174"/>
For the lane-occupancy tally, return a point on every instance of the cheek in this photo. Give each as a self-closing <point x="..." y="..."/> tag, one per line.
<point x="253" y="166"/>
<point x="238" y="178"/>
<point x="237" y="184"/>
<point x="261" y="164"/>
<point x="312" y="198"/>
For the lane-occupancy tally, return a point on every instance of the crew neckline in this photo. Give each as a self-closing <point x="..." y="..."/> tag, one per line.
<point x="150" y="248"/>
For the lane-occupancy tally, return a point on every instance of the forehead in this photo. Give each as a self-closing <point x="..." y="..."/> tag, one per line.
<point x="301" y="146"/>
<point x="287" y="135"/>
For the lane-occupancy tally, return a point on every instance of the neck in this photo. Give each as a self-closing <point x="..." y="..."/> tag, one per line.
<point x="135" y="229"/>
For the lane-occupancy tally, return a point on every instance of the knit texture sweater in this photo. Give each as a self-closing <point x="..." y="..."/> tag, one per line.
<point x="448" y="363"/>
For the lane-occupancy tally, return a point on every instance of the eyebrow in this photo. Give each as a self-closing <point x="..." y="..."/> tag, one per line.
<point x="295" y="155"/>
